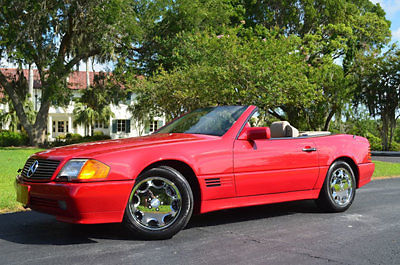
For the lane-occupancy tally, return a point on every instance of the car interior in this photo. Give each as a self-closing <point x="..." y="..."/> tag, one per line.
<point x="281" y="129"/>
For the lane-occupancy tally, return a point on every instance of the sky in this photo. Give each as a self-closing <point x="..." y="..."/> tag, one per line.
<point x="392" y="9"/>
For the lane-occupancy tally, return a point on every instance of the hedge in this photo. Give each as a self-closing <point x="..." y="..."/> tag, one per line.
<point x="76" y="138"/>
<point x="8" y="138"/>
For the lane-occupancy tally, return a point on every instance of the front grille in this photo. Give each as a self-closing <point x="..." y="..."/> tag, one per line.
<point x="44" y="170"/>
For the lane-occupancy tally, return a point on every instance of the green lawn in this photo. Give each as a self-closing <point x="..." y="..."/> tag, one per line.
<point x="386" y="169"/>
<point x="11" y="159"/>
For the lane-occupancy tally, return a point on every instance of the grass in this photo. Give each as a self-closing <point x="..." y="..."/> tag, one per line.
<point x="386" y="169"/>
<point x="11" y="159"/>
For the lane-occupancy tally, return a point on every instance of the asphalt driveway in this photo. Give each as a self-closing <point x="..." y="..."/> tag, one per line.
<point x="392" y="159"/>
<point x="288" y="233"/>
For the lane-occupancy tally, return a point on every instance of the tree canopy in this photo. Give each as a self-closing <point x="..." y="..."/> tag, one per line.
<point x="306" y="45"/>
<point x="379" y="89"/>
<point x="229" y="69"/>
<point x="55" y="36"/>
<point x="299" y="60"/>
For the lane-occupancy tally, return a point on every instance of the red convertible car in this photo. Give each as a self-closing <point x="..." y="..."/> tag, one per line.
<point x="209" y="159"/>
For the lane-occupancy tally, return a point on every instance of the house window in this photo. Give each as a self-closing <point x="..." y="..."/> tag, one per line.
<point x="121" y="125"/>
<point x="61" y="127"/>
<point x="98" y="125"/>
<point x="153" y="126"/>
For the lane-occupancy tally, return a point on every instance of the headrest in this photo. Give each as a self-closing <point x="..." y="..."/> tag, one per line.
<point x="283" y="129"/>
<point x="290" y="131"/>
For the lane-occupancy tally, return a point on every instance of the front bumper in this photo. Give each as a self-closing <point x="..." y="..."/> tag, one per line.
<point x="365" y="173"/>
<point x="84" y="203"/>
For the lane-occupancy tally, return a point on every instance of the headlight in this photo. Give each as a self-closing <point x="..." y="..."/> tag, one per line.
<point x="83" y="169"/>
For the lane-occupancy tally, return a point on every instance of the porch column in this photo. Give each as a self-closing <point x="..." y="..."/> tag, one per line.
<point x="30" y="85"/>
<point x="50" y="127"/>
<point x="70" y="124"/>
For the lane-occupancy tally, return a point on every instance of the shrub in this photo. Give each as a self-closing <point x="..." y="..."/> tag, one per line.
<point x="374" y="141"/>
<point x="73" y="136"/>
<point x="98" y="133"/>
<point x="8" y="138"/>
<point x="395" y="146"/>
<point x="77" y="138"/>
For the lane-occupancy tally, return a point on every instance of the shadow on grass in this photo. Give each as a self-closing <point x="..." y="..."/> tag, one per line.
<point x="21" y="148"/>
<point x="32" y="228"/>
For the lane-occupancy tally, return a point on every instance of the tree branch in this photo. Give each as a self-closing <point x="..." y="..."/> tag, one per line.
<point x="81" y="57"/>
<point x="329" y="118"/>
<point x="66" y="39"/>
<point x="276" y="115"/>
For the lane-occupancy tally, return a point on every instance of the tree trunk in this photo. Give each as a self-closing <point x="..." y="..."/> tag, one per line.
<point x="37" y="135"/>
<point x="37" y="131"/>
<point x="328" y="119"/>
<point x="87" y="74"/>
<point x="385" y="133"/>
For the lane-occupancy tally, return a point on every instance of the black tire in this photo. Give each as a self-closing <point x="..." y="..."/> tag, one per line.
<point x="142" y="228"/>
<point x="327" y="201"/>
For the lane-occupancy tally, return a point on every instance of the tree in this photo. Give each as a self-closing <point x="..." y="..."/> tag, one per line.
<point x="94" y="104"/>
<point x="55" y="36"/>
<point x="229" y="69"/>
<point x="333" y="32"/>
<point x="336" y="91"/>
<point x="330" y="33"/>
<point x="9" y="115"/>
<point x="379" y="88"/>
<point x="161" y="20"/>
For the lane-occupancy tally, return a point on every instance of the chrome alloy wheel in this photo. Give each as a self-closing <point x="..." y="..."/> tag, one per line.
<point x="155" y="203"/>
<point x="341" y="186"/>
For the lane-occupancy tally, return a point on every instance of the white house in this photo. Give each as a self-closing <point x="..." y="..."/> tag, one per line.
<point x="61" y="119"/>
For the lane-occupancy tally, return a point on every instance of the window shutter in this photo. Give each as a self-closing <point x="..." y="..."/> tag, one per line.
<point x="127" y="126"/>
<point x="114" y="126"/>
<point x="160" y="124"/>
<point x="129" y="96"/>
<point x="147" y="128"/>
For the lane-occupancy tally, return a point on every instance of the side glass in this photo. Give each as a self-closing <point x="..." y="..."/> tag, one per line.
<point x="259" y="119"/>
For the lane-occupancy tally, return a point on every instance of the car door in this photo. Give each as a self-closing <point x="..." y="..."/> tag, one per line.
<point x="274" y="165"/>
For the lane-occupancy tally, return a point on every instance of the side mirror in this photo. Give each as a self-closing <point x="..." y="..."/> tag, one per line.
<point x="255" y="133"/>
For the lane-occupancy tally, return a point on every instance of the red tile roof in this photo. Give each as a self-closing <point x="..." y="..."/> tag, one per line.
<point x="77" y="80"/>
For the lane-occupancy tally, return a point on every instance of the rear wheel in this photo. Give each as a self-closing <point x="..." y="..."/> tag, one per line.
<point x="160" y="204"/>
<point x="339" y="189"/>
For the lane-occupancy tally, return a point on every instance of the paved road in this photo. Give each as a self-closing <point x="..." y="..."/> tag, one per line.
<point x="393" y="159"/>
<point x="289" y="233"/>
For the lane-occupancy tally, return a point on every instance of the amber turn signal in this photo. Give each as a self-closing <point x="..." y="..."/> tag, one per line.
<point x="93" y="169"/>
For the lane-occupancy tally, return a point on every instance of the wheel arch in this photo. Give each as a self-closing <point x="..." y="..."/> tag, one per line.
<point x="187" y="172"/>
<point x="353" y="166"/>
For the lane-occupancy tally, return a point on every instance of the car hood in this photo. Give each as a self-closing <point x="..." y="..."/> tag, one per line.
<point x="86" y="150"/>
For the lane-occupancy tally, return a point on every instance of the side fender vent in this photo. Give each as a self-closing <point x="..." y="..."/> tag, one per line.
<point x="213" y="182"/>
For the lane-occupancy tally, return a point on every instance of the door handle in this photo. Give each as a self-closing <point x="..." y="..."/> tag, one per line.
<point x="309" y="149"/>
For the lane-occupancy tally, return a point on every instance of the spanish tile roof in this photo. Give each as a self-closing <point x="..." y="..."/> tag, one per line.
<point x="77" y="80"/>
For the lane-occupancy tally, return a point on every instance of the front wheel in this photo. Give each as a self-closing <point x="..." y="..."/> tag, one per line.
<point x="160" y="204"/>
<point x="339" y="189"/>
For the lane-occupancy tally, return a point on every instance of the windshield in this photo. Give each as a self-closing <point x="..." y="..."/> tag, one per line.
<point x="211" y="121"/>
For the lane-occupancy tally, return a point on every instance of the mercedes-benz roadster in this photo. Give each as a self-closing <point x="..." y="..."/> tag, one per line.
<point x="209" y="159"/>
